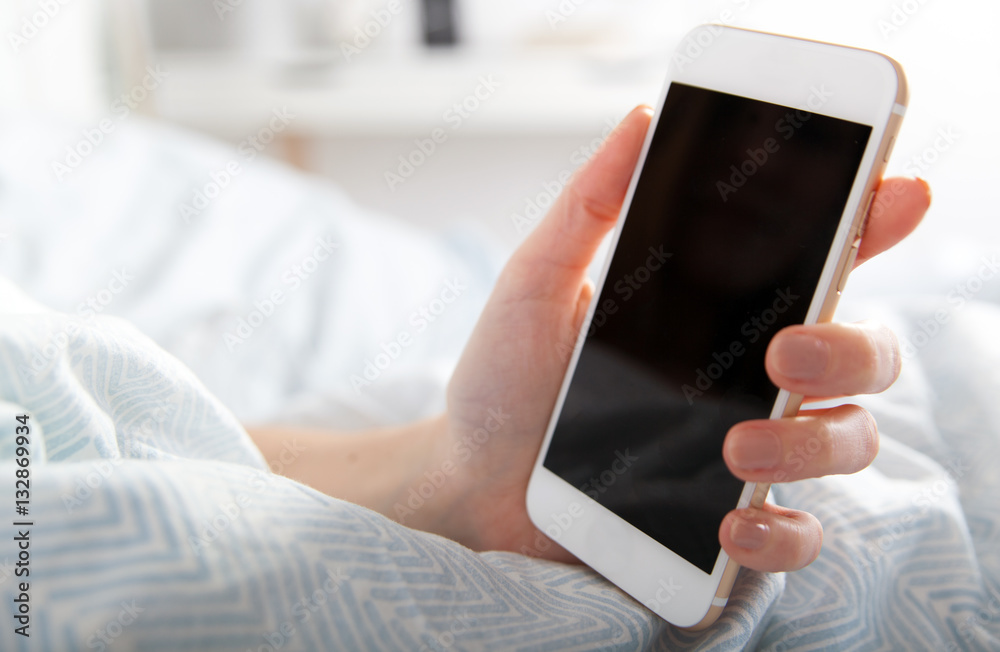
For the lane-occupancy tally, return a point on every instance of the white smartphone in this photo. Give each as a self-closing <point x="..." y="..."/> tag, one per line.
<point x="743" y="216"/>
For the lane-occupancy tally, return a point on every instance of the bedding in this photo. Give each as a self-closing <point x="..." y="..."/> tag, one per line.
<point x="157" y="524"/>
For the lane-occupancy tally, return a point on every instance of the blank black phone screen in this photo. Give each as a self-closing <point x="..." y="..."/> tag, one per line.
<point x="733" y="216"/>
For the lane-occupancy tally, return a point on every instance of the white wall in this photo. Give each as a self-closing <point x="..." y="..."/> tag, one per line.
<point x="52" y="57"/>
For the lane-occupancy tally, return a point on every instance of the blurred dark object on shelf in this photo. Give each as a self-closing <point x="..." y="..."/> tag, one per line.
<point x="439" y="22"/>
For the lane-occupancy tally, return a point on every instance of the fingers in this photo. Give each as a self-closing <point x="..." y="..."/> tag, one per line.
<point x="834" y="359"/>
<point x="897" y="209"/>
<point x="772" y="538"/>
<point x="556" y="254"/>
<point x="815" y="360"/>
<point x="838" y="440"/>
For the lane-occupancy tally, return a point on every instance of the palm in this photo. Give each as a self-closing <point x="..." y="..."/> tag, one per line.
<point x="519" y="351"/>
<point x="512" y="365"/>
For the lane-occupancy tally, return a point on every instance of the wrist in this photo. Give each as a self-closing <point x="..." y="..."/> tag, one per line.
<point x="422" y="498"/>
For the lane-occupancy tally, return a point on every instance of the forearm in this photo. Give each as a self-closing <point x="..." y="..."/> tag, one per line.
<point x="374" y="469"/>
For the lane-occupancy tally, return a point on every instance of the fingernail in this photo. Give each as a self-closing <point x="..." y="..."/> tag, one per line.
<point x="755" y="449"/>
<point x="927" y="186"/>
<point x="802" y="357"/>
<point x="748" y="534"/>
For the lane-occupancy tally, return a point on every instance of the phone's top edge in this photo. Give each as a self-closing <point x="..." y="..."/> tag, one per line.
<point x="902" y="87"/>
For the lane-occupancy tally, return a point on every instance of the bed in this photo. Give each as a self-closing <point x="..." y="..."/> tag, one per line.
<point x="138" y="331"/>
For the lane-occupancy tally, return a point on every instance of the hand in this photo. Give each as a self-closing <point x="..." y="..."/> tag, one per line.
<point x="822" y="360"/>
<point x="515" y="361"/>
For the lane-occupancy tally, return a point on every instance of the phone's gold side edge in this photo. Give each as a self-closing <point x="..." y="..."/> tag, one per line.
<point x="859" y="222"/>
<point x="726" y="583"/>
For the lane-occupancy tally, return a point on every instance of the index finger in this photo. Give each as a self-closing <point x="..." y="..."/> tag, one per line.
<point x="898" y="207"/>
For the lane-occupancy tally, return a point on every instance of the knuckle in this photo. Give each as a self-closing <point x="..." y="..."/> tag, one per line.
<point x="813" y="541"/>
<point x="849" y="438"/>
<point x="828" y="433"/>
<point x="864" y="439"/>
<point x="887" y="352"/>
<point x="871" y="362"/>
<point x="881" y="361"/>
<point x="801" y="541"/>
<point x="601" y="211"/>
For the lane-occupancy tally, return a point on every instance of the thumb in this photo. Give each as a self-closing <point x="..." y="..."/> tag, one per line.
<point x="552" y="260"/>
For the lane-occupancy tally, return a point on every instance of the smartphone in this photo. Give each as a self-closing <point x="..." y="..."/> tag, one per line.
<point x="743" y="216"/>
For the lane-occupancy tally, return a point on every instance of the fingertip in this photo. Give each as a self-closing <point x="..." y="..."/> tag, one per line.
<point x="555" y="255"/>
<point x="771" y="539"/>
<point x="928" y="195"/>
<point x="920" y="195"/>
<point x="638" y="118"/>
<point x="893" y="352"/>
<point x="899" y="206"/>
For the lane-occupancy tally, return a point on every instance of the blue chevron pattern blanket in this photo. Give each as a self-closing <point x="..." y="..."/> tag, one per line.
<point x="156" y="524"/>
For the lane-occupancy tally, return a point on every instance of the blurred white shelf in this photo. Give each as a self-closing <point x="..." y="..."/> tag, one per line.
<point x="544" y="92"/>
